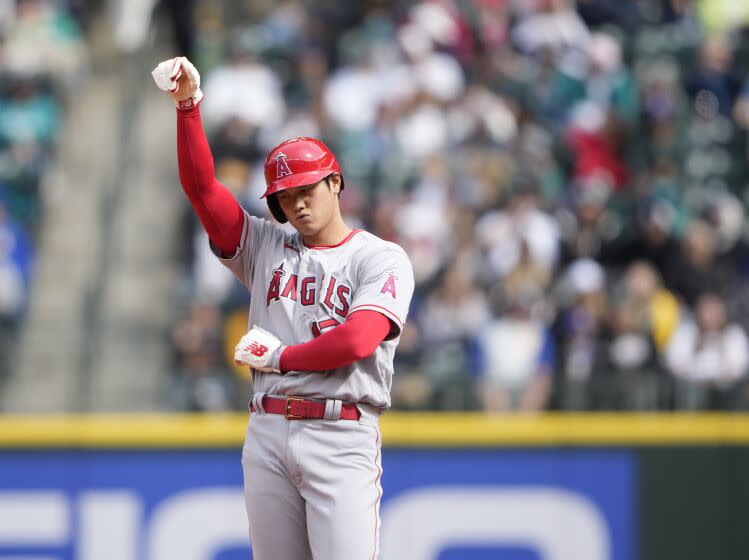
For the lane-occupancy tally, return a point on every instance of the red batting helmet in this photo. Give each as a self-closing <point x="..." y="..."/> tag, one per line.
<point x="294" y="163"/>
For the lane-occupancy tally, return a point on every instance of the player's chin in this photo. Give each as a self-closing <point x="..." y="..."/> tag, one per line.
<point x="305" y="225"/>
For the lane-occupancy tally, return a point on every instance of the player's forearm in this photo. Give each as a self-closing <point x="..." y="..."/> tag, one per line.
<point x="354" y="340"/>
<point x="218" y="210"/>
<point x="196" y="170"/>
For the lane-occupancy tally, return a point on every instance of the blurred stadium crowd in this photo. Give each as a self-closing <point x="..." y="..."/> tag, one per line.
<point x="42" y="60"/>
<point x="569" y="178"/>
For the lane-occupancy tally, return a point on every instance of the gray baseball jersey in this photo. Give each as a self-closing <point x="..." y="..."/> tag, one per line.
<point x="299" y="292"/>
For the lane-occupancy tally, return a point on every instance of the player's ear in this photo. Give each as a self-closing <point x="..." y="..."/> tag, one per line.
<point x="334" y="182"/>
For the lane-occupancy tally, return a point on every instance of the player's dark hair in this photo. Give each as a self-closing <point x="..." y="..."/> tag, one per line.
<point x="275" y="208"/>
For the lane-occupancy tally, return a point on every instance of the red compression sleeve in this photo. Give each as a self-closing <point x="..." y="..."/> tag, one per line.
<point x="218" y="210"/>
<point x="353" y="340"/>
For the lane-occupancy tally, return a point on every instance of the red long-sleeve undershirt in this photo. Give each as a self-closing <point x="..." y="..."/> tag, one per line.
<point x="353" y="340"/>
<point x="218" y="210"/>
<point x="223" y="220"/>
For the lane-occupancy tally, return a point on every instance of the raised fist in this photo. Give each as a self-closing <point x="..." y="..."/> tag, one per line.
<point x="180" y="79"/>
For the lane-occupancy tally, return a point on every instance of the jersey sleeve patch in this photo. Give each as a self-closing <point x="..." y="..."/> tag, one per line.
<point x="389" y="286"/>
<point x="386" y="285"/>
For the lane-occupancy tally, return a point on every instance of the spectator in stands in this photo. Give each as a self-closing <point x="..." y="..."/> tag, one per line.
<point x="422" y="221"/>
<point x="651" y="237"/>
<point x="353" y="122"/>
<point x="244" y="76"/>
<point x="549" y="89"/>
<point x="420" y="122"/>
<point x="697" y="268"/>
<point x="664" y="112"/>
<point x="553" y="26"/>
<point x="580" y="330"/>
<point x="587" y="221"/>
<point x="644" y="317"/>
<point x="447" y="26"/>
<point x="457" y="309"/>
<point x="29" y="124"/>
<point x="413" y="388"/>
<point x="725" y="214"/>
<point x="16" y="261"/>
<point x="201" y="382"/>
<point x="709" y="357"/>
<point x="451" y="318"/>
<point x="594" y="146"/>
<point x="16" y="252"/>
<point x="46" y="39"/>
<point x="535" y="151"/>
<point x="516" y="356"/>
<point x="28" y="114"/>
<point x="714" y="86"/>
<point x="609" y="82"/>
<point x="353" y="113"/>
<point x="520" y="231"/>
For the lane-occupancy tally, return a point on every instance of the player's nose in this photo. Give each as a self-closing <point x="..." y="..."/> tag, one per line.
<point x="299" y="201"/>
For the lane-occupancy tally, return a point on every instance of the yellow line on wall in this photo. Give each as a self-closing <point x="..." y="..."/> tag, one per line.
<point x="480" y="430"/>
<point x="122" y="430"/>
<point x="398" y="429"/>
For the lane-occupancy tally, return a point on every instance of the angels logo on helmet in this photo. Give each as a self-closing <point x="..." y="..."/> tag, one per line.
<point x="282" y="166"/>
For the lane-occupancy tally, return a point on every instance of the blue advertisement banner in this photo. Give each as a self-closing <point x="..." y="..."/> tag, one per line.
<point x="439" y="504"/>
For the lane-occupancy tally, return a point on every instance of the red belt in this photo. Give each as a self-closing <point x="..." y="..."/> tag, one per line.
<point x="298" y="408"/>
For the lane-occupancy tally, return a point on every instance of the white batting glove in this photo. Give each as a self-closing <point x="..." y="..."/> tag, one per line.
<point x="260" y="350"/>
<point x="181" y="80"/>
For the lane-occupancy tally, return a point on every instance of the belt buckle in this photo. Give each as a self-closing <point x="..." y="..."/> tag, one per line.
<point x="287" y="413"/>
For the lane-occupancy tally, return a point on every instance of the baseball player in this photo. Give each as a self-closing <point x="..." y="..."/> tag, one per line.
<point x="328" y="304"/>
